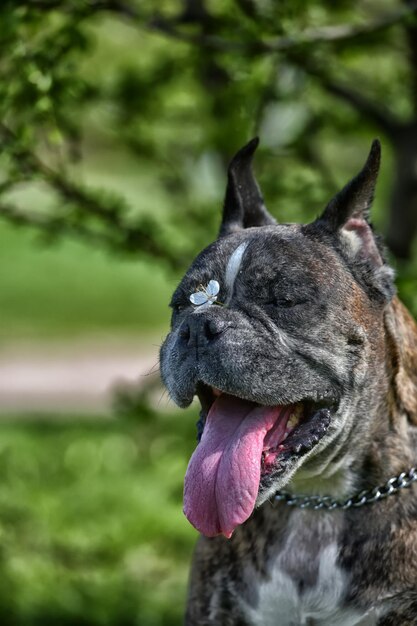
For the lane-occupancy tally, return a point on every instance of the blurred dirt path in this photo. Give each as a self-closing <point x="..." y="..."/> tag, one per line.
<point x="78" y="375"/>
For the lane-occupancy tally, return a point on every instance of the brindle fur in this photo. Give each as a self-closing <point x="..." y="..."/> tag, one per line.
<point x="342" y="567"/>
<point x="377" y="544"/>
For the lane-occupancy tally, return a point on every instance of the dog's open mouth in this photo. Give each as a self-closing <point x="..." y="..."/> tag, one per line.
<point x="241" y="445"/>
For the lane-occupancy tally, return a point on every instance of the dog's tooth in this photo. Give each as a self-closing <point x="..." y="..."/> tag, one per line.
<point x="293" y="420"/>
<point x="295" y="416"/>
<point x="269" y="458"/>
<point x="299" y="410"/>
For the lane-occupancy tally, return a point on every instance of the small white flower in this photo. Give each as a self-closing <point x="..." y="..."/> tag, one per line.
<point x="206" y="296"/>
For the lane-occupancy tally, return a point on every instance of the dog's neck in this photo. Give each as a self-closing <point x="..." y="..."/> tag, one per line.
<point x="393" y="432"/>
<point x="389" y="445"/>
<point x="401" y="332"/>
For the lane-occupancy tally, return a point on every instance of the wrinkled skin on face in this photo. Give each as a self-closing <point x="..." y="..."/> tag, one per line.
<point x="285" y="334"/>
<point x="277" y="306"/>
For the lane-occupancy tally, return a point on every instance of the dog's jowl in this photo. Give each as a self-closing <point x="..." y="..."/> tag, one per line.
<point x="305" y="364"/>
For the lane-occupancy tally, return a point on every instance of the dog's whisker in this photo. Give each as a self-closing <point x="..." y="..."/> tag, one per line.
<point x="153" y="370"/>
<point x="161" y="397"/>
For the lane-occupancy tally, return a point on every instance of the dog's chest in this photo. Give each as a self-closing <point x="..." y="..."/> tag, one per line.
<point x="305" y="585"/>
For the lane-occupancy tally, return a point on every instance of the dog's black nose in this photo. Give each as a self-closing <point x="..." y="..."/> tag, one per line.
<point x="199" y="330"/>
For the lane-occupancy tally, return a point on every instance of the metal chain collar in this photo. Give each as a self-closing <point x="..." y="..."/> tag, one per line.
<point x="393" y="485"/>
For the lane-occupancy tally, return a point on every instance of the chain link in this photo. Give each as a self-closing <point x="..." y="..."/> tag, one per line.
<point x="327" y="503"/>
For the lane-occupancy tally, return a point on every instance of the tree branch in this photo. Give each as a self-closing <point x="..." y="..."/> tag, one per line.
<point x="411" y="34"/>
<point x="289" y="45"/>
<point x="114" y="231"/>
<point x="129" y="239"/>
<point x="311" y="36"/>
<point x="52" y="226"/>
<point x="376" y="114"/>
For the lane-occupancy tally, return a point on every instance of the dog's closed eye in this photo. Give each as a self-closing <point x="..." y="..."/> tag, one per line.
<point x="287" y="302"/>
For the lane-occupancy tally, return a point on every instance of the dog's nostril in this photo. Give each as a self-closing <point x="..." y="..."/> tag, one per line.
<point x="214" y="328"/>
<point x="185" y="332"/>
<point x="200" y="330"/>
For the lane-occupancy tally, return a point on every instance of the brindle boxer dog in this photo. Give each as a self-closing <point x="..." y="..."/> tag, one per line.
<point x="305" y="363"/>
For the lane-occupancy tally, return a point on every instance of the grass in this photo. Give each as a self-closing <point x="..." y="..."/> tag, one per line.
<point x="69" y="289"/>
<point x="90" y="521"/>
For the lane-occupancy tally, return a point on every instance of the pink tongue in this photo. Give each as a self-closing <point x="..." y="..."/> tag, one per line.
<point x="222" y="479"/>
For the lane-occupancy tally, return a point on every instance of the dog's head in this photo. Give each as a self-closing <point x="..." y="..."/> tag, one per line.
<point x="272" y="329"/>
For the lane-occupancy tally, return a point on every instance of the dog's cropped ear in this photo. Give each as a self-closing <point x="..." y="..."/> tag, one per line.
<point x="347" y="215"/>
<point x="349" y="211"/>
<point x="243" y="204"/>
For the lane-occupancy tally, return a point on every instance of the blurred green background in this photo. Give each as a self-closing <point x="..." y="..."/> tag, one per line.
<point x="117" y="123"/>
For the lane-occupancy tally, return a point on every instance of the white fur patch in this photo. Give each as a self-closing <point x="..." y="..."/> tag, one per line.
<point x="282" y="602"/>
<point x="233" y="267"/>
<point x="353" y="240"/>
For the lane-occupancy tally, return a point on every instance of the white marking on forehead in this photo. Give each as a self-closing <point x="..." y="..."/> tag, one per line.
<point x="233" y="266"/>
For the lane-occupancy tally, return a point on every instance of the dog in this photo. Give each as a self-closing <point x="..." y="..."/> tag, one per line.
<point x="305" y="364"/>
